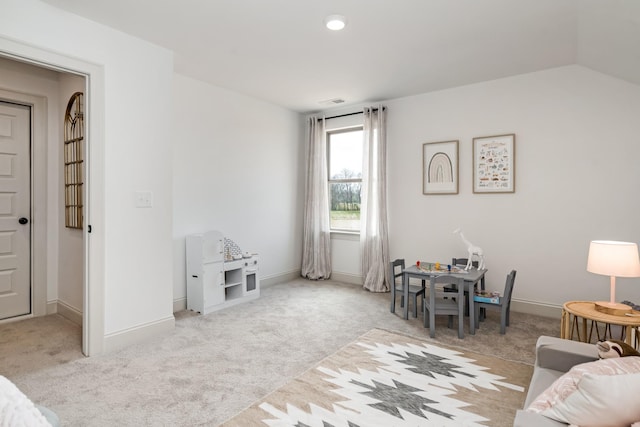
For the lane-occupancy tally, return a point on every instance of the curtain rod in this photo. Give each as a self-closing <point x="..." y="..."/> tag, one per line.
<point x="349" y="114"/>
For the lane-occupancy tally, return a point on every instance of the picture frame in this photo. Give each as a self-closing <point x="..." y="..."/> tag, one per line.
<point x="440" y="167"/>
<point x="494" y="167"/>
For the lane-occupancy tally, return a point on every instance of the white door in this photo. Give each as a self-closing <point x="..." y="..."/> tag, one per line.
<point x="15" y="210"/>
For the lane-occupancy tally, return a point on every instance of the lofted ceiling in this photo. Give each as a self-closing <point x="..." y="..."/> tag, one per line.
<point x="279" y="51"/>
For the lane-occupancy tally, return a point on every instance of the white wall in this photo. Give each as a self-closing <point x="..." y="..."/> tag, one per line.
<point x="71" y="254"/>
<point x="133" y="247"/>
<point x="238" y="168"/>
<point x="577" y="150"/>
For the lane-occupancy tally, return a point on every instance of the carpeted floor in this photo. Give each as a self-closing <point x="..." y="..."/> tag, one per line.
<point x="213" y="367"/>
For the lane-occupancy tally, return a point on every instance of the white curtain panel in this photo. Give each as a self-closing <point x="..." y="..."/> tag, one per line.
<point x="374" y="235"/>
<point x="316" y="243"/>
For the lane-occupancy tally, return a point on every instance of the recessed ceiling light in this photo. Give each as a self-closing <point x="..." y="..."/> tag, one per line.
<point x="335" y="22"/>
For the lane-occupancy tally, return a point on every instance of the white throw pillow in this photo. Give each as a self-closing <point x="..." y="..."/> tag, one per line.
<point x="604" y="393"/>
<point x="16" y="409"/>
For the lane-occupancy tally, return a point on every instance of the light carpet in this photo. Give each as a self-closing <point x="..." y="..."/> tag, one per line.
<point x="387" y="379"/>
<point x="210" y="368"/>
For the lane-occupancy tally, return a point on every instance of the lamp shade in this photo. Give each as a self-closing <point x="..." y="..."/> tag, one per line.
<point x="610" y="258"/>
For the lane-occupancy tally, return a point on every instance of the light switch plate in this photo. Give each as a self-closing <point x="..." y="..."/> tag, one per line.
<point x="143" y="199"/>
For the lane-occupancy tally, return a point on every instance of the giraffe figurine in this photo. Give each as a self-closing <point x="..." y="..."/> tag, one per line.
<point x="471" y="251"/>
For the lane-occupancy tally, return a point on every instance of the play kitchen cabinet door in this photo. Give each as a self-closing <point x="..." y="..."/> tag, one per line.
<point x="251" y="280"/>
<point x="205" y="289"/>
<point x="205" y="271"/>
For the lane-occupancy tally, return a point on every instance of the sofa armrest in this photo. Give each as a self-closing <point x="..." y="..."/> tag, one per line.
<point x="561" y="355"/>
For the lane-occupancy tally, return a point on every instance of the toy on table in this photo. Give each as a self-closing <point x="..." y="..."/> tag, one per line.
<point x="437" y="267"/>
<point x="471" y="251"/>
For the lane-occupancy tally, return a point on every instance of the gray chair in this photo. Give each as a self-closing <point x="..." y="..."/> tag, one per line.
<point x="503" y="304"/>
<point x="436" y="303"/>
<point x="461" y="262"/>
<point x="395" y="283"/>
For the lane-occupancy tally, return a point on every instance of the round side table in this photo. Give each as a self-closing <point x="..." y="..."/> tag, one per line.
<point x="586" y="311"/>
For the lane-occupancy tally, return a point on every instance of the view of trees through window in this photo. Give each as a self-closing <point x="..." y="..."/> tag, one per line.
<point x="345" y="178"/>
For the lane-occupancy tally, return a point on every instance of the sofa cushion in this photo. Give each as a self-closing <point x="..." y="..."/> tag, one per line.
<point x="529" y="419"/>
<point x="600" y="393"/>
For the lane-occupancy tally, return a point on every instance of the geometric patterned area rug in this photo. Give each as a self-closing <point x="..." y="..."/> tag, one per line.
<point x="386" y="379"/>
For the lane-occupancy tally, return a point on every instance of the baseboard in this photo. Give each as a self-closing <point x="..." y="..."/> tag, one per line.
<point x="521" y="306"/>
<point x="16" y="319"/>
<point x="279" y="278"/>
<point x="352" y="279"/>
<point x="68" y="312"/>
<point x="538" y="308"/>
<point x="137" y="334"/>
<point x="52" y="307"/>
<point x="179" y="304"/>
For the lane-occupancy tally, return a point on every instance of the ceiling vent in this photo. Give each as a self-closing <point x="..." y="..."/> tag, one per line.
<point x="332" y="101"/>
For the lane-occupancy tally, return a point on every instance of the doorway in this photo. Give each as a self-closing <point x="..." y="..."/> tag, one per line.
<point x="48" y="277"/>
<point x="93" y="305"/>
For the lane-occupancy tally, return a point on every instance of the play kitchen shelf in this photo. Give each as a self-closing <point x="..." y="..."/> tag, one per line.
<point x="218" y="274"/>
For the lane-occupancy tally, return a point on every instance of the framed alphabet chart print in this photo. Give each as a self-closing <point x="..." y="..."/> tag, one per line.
<point x="494" y="164"/>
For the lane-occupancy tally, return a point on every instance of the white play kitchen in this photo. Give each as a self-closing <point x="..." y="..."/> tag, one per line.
<point x="219" y="274"/>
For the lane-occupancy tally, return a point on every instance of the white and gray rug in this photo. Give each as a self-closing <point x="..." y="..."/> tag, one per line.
<point x="387" y="379"/>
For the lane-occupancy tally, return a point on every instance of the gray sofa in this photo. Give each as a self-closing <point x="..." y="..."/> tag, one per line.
<point x="554" y="357"/>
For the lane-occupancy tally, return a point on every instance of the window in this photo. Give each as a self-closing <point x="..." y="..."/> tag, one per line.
<point x="345" y="178"/>
<point x="73" y="160"/>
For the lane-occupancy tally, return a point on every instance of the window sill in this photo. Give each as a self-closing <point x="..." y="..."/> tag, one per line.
<point x="345" y="235"/>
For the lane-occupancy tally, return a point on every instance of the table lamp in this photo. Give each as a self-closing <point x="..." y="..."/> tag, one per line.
<point x="613" y="259"/>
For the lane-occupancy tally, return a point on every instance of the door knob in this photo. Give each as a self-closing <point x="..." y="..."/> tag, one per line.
<point x="23" y="220"/>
